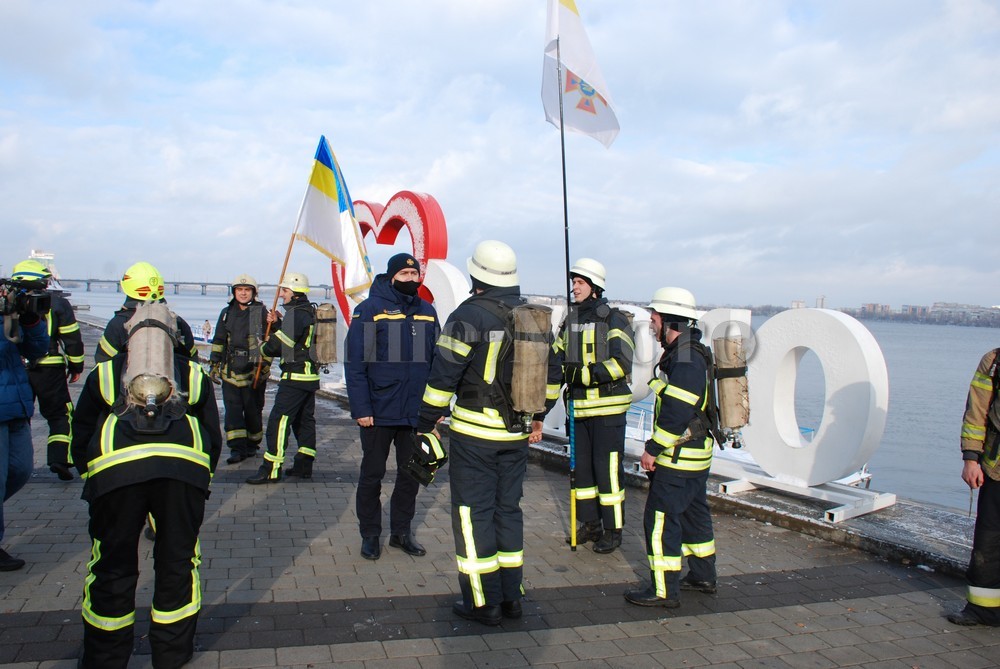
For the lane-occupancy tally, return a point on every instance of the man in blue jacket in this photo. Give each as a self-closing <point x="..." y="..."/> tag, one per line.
<point x="24" y="336"/>
<point x="390" y="345"/>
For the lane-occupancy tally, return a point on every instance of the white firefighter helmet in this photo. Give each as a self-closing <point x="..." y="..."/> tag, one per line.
<point x="591" y="270"/>
<point x="674" y="302"/>
<point x="295" y="282"/>
<point x="245" y="280"/>
<point x="494" y="264"/>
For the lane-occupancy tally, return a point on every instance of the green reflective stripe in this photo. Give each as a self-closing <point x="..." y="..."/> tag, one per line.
<point x="693" y="458"/>
<point x="618" y="333"/>
<point x="423" y="317"/>
<point x="75" y="358"/>
<point x="284" y="339"/>
<point x="437" y="398"/>
<point x="510" y="560"/>
<point x="107" y="437"/>
<point x="702" y="550"/>
<point x="657" y="386"/>
<point x="58" y="439"/>
<point x="616" y="497"/>
<point x="492" y="352"/>
<point x="596" y="401"/>
<point x="309" y="335"/>
<point x="191" y="608"/>
<point x="52" y="360"/>
<point x="488" y="434"/>
<point x="985" y="597"/>
<point x="587" y="354"/>
<point x="552" y="391"/>
<point x="195" y="373"/>
<point x="255" y="436"/>
<point x="487" y="417"/>
<point x="982" y="381"/>
<point x="664" y="438"/>
<point x="106" y="382"/>
<point x="471" y="564"/>
<point x="133" y="453"/>
<point x="107" y="347"/>
<point x="196" y="441"/>
<point x="559" y="345"/>
<point x="682" y="395"/>
<point x="614" y="369"/>
<point x="587" y="493"/>
<point x="66" y="329"/>
<point x="218" y="348"/>
<point x="91" y="617"/>
<point x="663" y="563"/>
<point x="296" y="376"/>
<point x="455" y="345"/>
<point x="278" y="457"/>
<point x="975" y="432"/>
<point x="305" y="450"/>
<point x="236" y="434"/>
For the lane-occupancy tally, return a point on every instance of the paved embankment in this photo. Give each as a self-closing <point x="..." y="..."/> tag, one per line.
<point x="285" y="586"/>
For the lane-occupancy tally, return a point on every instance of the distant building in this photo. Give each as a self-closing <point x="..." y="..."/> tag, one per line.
<point x="914" y="310"/>
<point x="798" y="304"/>
<point x="821" y="302"/>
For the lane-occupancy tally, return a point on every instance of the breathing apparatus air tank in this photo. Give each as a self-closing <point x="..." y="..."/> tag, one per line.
<point x="532" y="342"/>
<point x="731" y="381"/>
<point x="150" y="392"/>
<point x="326" y="334"/>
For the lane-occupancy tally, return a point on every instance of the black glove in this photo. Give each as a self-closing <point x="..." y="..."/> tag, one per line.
<point x="428" y="456"/>
<point x="577" y="374"/>
<point x="214" y="373"/>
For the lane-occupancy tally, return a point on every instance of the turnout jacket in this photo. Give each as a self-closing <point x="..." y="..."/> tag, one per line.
<point x="599" y="338"/>
<point x="390" y="347"/>
<point x="980" y="411"/>
<point x="16" y="398"/>
<point x="110" y="453"/>
<point x="291" y="339"/>
<point x="681" y="391"/>
<point x="64" y="334"/>
<point x="236" y="346"/>
<point x="465" y="366"/>
<point x="115" y="338"/>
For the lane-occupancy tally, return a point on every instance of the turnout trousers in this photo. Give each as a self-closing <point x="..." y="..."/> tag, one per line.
<point x="375" y="444"/>
<point x="983" y="575"/>
<point x="678" y="523"/>
<point x="244" y="426"/>
<point x="486" y="518"/>
<point x="116" y="520"/>
<point x="599" y="443"/>
<point x="294" y="410"/>
<point x="54" y="403"/>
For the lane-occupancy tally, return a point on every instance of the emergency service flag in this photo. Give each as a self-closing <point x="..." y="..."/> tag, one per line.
<point x="327" y="223"/>
<point x="587" y="105"/>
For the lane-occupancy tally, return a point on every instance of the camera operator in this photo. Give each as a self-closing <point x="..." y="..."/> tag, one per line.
<point x="24" y="336"/>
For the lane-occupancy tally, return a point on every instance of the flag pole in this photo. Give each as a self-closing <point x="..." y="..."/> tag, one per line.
<point x="274" y="304"/>
<point x="569" y="399"/>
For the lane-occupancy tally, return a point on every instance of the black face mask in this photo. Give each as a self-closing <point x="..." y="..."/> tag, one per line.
<point x="406" y="287"/>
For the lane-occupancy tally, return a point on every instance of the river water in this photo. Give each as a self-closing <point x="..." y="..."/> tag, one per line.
<point x="930" y="367"/>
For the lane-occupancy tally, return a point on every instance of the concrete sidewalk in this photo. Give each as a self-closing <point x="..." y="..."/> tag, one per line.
<point x="285" y="586"/>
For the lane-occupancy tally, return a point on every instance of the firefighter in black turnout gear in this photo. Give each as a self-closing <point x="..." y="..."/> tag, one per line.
<point x="294" y="405"/>
<point x="677" y="458"/>
<point x="146" y="440"/>
<point x="236" y="350"/>
<point x="141" y="283"/>
<point x="488" y="460"/>
<point x="51" y="375"/>
<point x="595" y="349"/>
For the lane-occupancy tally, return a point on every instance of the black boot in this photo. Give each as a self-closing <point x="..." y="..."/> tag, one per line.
<point x="610" y="540"/>
<point x="61" y="469"/>
<point x="263" y="475"/>
<point x="302" y="468"/>
<point x="592" y="530"/>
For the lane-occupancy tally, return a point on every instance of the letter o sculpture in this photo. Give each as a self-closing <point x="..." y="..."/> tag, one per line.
<point x="857" y="396"/>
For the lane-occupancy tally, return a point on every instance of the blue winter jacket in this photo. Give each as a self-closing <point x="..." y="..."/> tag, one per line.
<point x="390" y="346"/>
<point x="16" y="398"/>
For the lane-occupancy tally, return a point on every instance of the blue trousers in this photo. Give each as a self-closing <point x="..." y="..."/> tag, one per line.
<point x="16" y="459"/>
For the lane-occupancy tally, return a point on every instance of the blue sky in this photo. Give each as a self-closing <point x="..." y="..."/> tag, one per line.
<point x="770" y="151"/>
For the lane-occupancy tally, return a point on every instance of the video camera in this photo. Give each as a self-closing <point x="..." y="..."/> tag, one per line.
<point x="16" y="298"/>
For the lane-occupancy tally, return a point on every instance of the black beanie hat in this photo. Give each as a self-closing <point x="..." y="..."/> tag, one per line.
<point x="401" y="261"/>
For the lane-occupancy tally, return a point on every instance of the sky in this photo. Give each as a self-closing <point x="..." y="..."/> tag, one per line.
<point x="770" y="150"/>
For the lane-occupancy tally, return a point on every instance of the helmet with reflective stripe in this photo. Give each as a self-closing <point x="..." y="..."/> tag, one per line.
<point x="295" y="282"/>
<point x="591" y="270"/>
<point x="142" y="281"/>
<point x="245" y="280"/>
<point x="494" y="264"/>
<point x="674" y="302"/>
<point x="30" y="271"/>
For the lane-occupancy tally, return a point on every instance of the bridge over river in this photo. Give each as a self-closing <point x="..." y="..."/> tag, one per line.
<point x="178" y="287"/>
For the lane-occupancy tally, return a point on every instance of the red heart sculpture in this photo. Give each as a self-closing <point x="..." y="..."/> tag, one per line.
<point x="420" y="213"/>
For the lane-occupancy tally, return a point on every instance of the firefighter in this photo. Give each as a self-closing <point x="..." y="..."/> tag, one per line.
<point x="677" y="458"/>
<point x="51" y="375"/>
<point x="595" y="349"/>
<point x="390" y="346"/>
<point x="146" y="440"/>
<point x="235" y="353"/>
<point x="488" y="461"/>
<point x="141" y="283"/>
<point x="295" y="402"/>
<point x="980" y="442"/>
